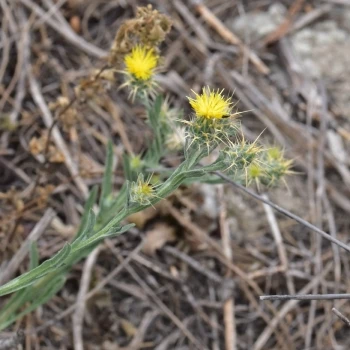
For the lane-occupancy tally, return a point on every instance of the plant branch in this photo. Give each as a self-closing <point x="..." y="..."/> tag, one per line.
<point x="305" y="297"/>
<point x="341" y="316"/>
<point x="285" y="212"/>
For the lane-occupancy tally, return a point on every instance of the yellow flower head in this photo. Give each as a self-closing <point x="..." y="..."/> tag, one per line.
<point x="211" y="104"/>
<point x="141" y="62"/>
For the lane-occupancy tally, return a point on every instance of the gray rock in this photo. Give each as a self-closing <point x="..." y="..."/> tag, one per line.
<point x="253" y="26"/>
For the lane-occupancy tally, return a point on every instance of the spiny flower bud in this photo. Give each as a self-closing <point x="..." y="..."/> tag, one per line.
<point x="272" y="167"/>
<point x="142" y="191"/>
<point x="241" y="155"/>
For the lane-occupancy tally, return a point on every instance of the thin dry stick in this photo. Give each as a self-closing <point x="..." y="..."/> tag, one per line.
<point x="66" y="31"/>
<point x="173" y="336"/>
<point x="37" y="231"/>
<point x="310" y="17"/>
<point x="286" y="24"/>
<point x="24" y="50"/>
<point x="10" y="86"/>
<point x="341" y="316"/>
<point x="266" y="334"/>
<point x="225" y="33"/>
<point x="114" y="111"/>
<point x="54" y="122"/>
<point x="78" y="316"/>
<point x="157" y="300"/>
<point x="333" y="231"/>
<point x="305" y="297"/>
<point x="57" y="136"/>
<point x="200" y="234"/>
<point x="194" y="264"/>
<point x="138" y="340"/>
<point x="6" y="45"/>
<point x="282" y="253"/>
<point x="285" y="212"/>
<point x="283" y="338"/>
<point x="229" y="305"/>
<point x="214" y="320"/>
<point x="314" y="202"/>
<point x="320" y="178"/>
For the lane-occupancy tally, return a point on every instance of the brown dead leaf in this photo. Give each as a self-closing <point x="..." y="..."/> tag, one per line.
<point x="142" y="217"/>
<point x="108" y="345"/>
<point x="129" y="329"/>
<point x="38" y="146"/>
<point x="157" y="237"/>
<point x="75" y="24"/>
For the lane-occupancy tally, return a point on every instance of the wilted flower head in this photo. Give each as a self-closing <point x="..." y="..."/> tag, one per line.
<point x="211" y="104"/>
<point x="149" y="28"/>
<point x="176" y="139"/>
<point x="141" y="62"/>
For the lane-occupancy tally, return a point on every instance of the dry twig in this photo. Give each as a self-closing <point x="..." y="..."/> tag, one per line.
<point x="229" y="305"/>
<point x="78" y="316"/>
<point x="341" y="316"/>
<point x="34" y="235"/>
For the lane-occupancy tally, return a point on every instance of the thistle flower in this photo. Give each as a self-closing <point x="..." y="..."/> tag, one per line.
<point x="140" y="63"/>
<point x="211" y="126"/>
<point x="211" y="104"/>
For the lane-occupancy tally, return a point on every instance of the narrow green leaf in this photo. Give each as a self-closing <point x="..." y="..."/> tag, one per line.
<point x="13" y="304"/>
<point x="41" y="298"/>
<point x="128" y="174"/>
<point x="87" y="211"/>
<point x="88" y="229"/>
<point x="118" y="204"/>
<point x="30" y="277"/>
<point x="34" y="256"/>
<point x="158" y="105"/>
<point x="156" y="148"/>
<point x="154" y="112"/>
<point x="108" y="176"/>
<point x="122" y="229"/>
<point x="114" y="231"/>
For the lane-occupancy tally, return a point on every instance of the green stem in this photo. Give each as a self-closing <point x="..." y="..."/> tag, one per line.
<point x="103" y="227"/>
